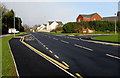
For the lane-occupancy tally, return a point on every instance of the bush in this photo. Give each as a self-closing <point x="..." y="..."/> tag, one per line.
<point x="76" y="27"/>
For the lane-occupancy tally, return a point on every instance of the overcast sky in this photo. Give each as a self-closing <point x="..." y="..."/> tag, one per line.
<point x="40" y="12"/>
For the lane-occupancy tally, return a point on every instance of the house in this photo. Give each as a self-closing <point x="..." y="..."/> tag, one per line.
<point x="118" y="14"/>
<point x="87" y="30"/>
<point x="112" y="18"/>
<point x="42" y="28"/>
<point x="52" y="25"/>
<point x="90" y="17"/>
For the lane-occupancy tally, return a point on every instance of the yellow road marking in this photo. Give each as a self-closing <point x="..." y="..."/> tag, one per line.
<point x="42" y="54"/>
<point x="78" y="75"/>
<point x="50" y="51"/>
<point x="65" y="64"/>
<point x="46" y="48"/>
<point x="56" y="56"/>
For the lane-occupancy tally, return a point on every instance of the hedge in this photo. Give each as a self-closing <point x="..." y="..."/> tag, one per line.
<point x="76" y="27"/>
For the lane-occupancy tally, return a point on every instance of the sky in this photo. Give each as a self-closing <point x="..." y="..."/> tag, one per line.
<point x="39" y="13"/>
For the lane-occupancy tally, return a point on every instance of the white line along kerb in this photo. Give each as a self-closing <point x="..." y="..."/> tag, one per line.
<point x="113" y="56"/>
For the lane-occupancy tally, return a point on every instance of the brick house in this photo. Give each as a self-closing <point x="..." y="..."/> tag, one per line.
<point x="91" y="17"/>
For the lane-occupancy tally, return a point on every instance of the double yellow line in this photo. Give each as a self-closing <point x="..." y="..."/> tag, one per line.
<point x="63" y="64"/>
<point x="44" y="55"/>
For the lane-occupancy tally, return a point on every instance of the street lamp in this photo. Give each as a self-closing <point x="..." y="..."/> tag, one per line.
<point x="14" y="24"/>
<point x="115" y="25"/>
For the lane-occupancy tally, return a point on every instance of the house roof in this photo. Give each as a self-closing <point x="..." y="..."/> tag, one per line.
<point x="59" y="22"/>
<point x="45" y="24"/>
<point x="50" y="22"/>
<point x="87" y="16"/>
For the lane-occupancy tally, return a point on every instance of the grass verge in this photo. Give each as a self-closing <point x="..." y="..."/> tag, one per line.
<point x="112" y="38"/>
<point x="8" y="68"/>
<point x="97" y="32"/>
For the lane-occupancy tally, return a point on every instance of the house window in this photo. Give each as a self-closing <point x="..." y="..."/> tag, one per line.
<point x="78" y="20"/>
<point x="94" y="19"/>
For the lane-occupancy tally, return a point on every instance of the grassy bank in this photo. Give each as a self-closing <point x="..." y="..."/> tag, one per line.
<point x="97" y="32"/>
<point x="113" y="38"/>
<point x="8" y="68"/>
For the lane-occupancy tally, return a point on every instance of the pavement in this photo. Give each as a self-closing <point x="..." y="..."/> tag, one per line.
<point x="2" y="36"/>
<point x="30" y="64"/>
<point x="77" y="57"/>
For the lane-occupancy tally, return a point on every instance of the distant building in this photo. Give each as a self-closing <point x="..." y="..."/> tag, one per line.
<point x="42" y="28"/>
<point x="112" y="18"/>
<point x="52" y="25"/>
<point x="118" y="14"/>
<point x="90" y="17"/>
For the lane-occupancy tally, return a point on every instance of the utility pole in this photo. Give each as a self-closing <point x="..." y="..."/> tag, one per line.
<point x="14" y="24"/>
<point x="115" y="26"/>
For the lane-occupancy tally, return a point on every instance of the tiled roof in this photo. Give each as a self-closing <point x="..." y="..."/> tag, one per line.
<point x="87" y="16"/>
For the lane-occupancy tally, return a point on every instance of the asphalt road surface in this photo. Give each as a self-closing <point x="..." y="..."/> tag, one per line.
<point x="31" y="65"/>
<point x="84" y="59"/>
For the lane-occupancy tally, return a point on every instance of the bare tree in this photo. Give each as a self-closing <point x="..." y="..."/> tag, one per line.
<point x="26" y="28"/>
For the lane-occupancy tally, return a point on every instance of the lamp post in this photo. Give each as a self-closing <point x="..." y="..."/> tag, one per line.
<point x="14" y="24"/>
<point x="115" y="26"/>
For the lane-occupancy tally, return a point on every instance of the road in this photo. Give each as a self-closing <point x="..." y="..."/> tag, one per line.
<point x="31" y="65"/>
<point x="82" y="58"/>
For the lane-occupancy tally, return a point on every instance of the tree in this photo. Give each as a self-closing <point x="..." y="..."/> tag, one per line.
<point x="3" y="10"/>
<point x="7" y="20"/>
<point x="26" y="28"/>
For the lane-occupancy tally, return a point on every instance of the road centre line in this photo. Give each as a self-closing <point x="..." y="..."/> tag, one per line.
<point x="64" y="41"/>
<point x="112" y="56"/>
<point x="83" y="47"/>
<point x="50" y="51"/>
<point x="46" y="48"/>
<point x="56" y="56"/>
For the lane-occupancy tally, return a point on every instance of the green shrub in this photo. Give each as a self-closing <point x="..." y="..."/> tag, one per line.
<point x="76" y="27"/>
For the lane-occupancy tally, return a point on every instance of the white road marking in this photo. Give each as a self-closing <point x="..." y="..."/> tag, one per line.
<point x="83" y="47"/>
<point x="55" y="38"/>
<point x="114" y="44"/>
<point x="64" y="41"/>
<point x="16" y="69"/>
<point x="113" y="56"/>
